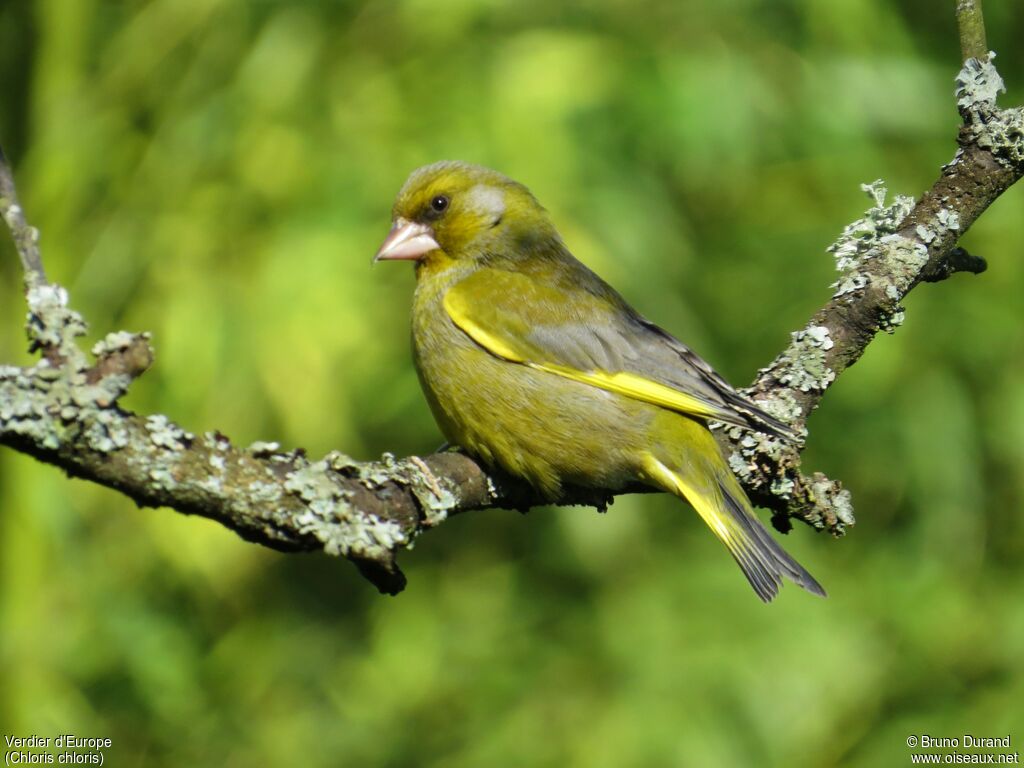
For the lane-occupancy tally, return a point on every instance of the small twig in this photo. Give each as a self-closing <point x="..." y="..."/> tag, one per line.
<point x="971" y="24"/>
<point x="958" y="260"/>
<point x="26" y="238"/>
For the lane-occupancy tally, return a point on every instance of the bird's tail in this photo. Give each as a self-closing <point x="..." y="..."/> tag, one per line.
<point x="715" y="494"/>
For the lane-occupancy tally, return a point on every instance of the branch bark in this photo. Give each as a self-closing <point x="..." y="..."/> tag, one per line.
<point x="971" y="24"/>
<point x="64" y="409"/>
<point x="26" y="238"/>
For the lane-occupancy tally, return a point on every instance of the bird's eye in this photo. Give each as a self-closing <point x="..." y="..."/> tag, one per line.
<point x="439" y="203"/>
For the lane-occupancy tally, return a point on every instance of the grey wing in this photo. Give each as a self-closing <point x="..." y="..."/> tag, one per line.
<point x="675" y="364"/>
<point x="635" y="345"/>
<point x="584" y="335"/>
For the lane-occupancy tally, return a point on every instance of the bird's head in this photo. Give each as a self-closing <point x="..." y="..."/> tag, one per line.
<point x="464" y="211"/>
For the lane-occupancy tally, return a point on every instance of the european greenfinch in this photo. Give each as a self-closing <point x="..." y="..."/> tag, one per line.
<point x="532" y="363"/>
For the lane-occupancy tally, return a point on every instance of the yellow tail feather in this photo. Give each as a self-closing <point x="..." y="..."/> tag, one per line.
<point x="728" y="514"/>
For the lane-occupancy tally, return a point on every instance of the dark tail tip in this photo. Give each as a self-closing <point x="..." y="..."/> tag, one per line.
<point x="763" y="560"/>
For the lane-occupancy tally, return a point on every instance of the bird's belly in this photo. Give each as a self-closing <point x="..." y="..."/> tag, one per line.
<point x="536" y="425"/>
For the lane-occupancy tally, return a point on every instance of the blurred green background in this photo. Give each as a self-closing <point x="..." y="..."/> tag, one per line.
<point x="220" y="172"/>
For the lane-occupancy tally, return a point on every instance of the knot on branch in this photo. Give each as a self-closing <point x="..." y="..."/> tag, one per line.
<point x="957" y="260"/>
<point x="121" y="357"/>
<point x="53" y="328"/>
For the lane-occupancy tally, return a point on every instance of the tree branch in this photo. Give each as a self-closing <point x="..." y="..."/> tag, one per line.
<point x="26" y="238"/>
<point x="881" y="258"/>
<point x="64" y="409"/>
<point x="972" y="29"/>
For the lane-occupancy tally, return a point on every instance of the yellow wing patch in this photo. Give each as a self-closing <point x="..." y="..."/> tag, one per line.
<point x="636" y="387"/>
<point x="620" y="382"/>
<point x="457" y="310"/>
<point x="758" y="561"/>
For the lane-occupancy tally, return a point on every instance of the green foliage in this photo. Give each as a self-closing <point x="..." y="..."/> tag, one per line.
<point x="220" y="172"/>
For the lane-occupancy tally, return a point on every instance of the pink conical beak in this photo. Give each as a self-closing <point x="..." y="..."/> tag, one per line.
<point x="407" y="240"/>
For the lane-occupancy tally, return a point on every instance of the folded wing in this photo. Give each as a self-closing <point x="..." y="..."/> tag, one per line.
<point x="572" y="324"/>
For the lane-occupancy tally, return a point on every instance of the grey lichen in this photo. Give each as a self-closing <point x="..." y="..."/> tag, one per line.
<point x="830" y="495"/>
<point x="1003" y="136"/>
<point x="803" y="367"/>
<point x="804" y="364"/>
<point x="740" y="465"/>
<point x="51" y="324"/>
<point x="780" y="403"/>
<point x="59" y="385"/>
<point x="374" y="474"/>
<point x="978" y="84"/>
<point x="1001" y="132"/>
<point x="335" y="522"/>
<point x="103" y="393"/>
<point x="27" y="410"/>
<point x="116" y="342"/>
<point x="264" y="492"/>
<point x="890" y="322"/>
<point x="783" y="487"/>
<point x="62" y="400"/>
<point x="342" y="463"/>
<point x="218" y="446"/>
<point x="925" y="234"/>
<point x="166" y="434"/>
<point x="859" y="243"/>
<point x="435" y="498"/>
<point x="105" y="432"/>
<point x="263" y="448"/>
<point x="873" y="251"/>
<point x="752" y="449"/>
<point x="163" y="479"/>
<point x="904" y="256"/>
<point x="843" y="506"/>
<point x="818" y="335"/>
<point x="949" y="219"/>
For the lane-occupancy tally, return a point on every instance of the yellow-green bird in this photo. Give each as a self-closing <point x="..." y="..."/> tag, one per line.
<point x="532" y="363"/>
